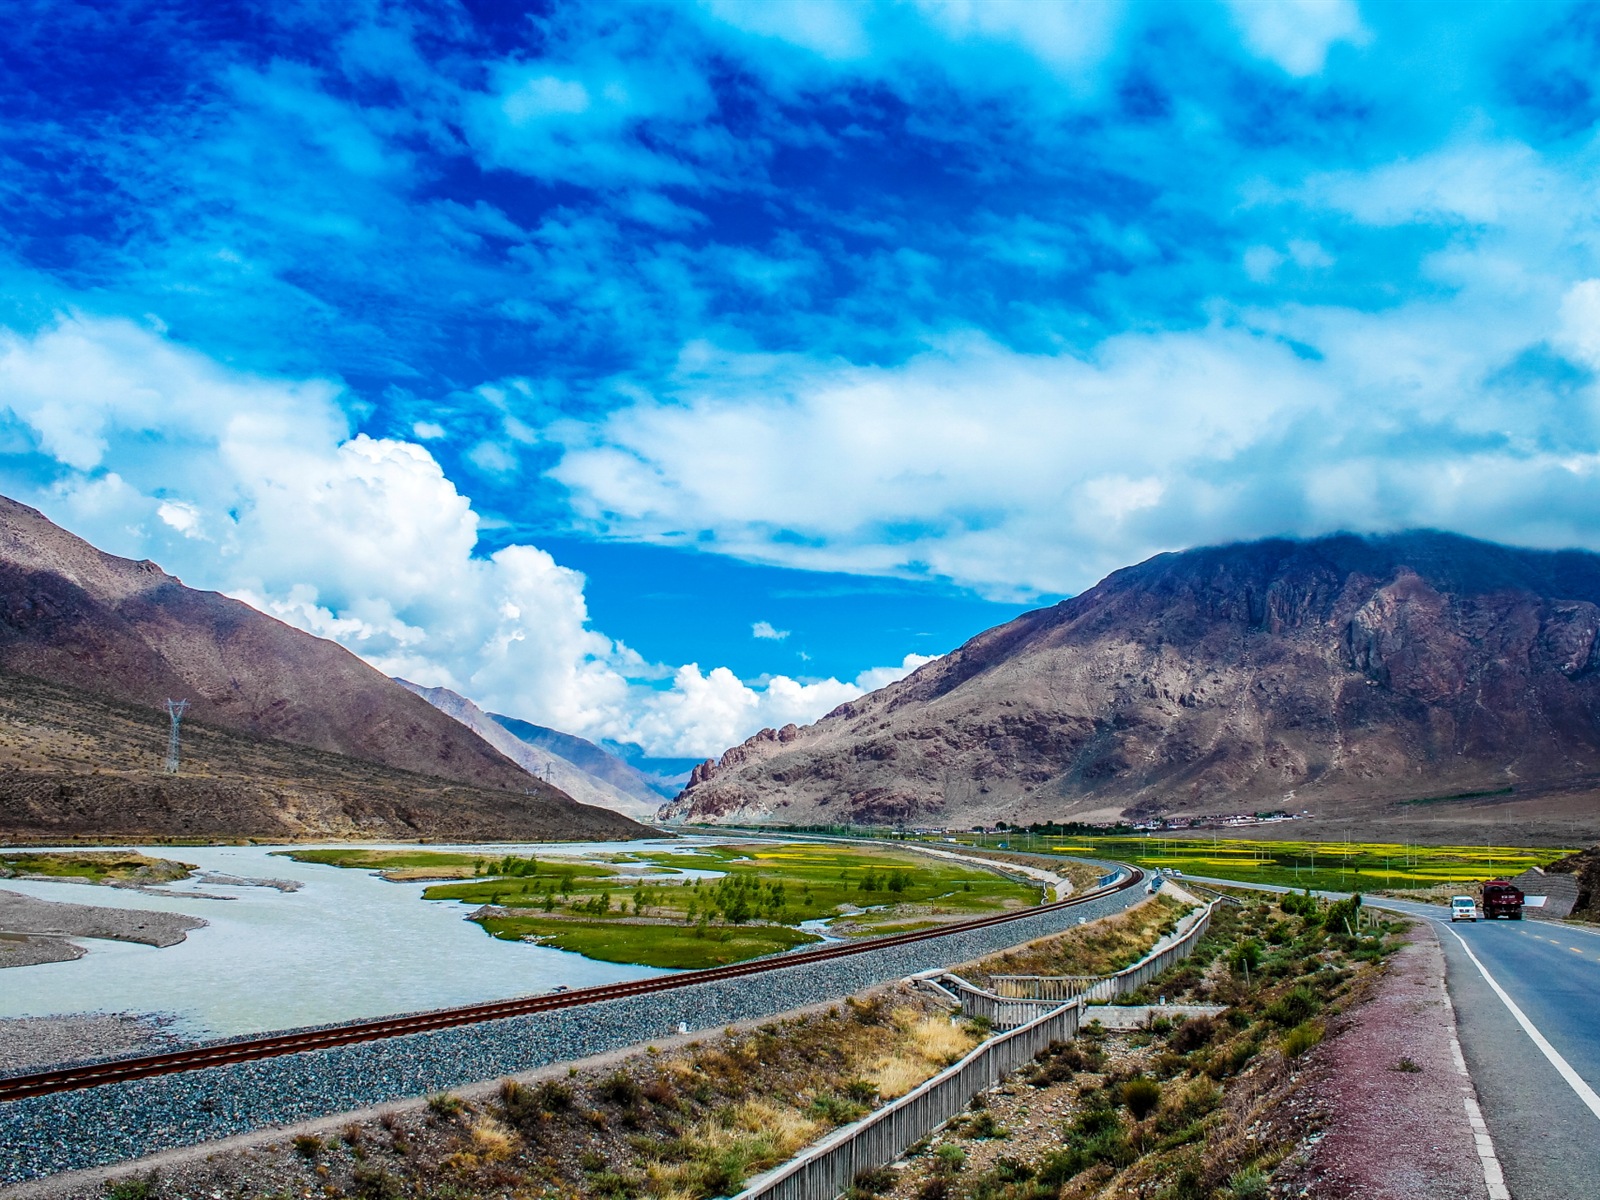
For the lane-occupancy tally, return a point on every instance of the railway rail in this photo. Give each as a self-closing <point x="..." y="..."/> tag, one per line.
<point x="72" y="1078"/>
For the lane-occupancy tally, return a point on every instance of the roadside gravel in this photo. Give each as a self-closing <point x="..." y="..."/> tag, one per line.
<point x="1390" y="1093"/>
<point x="43" y="1135"/>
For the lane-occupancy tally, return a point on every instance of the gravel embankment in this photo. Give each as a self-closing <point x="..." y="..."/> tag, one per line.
<point x="36" y="1043"/>
<point x="53" y="918"/>
<point x="43" y="1135"/>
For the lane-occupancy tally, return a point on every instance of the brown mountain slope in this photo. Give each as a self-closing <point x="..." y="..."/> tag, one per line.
<point x="128" y="631"/>
<point x="76" y="765"/>
<point x="1347" y="675"/>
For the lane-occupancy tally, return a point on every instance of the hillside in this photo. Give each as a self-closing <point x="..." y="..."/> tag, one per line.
<point x="596" y="760"/>
<point x="1377" y="682"/>
<point x="128" y="631"/>
<point x="584" y="785"/>
<point x="75" y="765"/>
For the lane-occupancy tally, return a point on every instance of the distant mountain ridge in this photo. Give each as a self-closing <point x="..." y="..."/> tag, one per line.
<point x="106" y="627"/>
<point x="1348" y="675"/>
<point x="611" y="784"/>
<point x="586" y="756"/>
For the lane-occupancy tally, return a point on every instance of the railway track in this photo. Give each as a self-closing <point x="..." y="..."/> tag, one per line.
<point x="66" y="1079"/>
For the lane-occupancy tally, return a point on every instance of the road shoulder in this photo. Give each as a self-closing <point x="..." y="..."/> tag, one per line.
<point x="1391" y="1094"/>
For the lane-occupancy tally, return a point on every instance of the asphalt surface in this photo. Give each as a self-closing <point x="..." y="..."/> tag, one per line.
<point x="1545" y="1131"/>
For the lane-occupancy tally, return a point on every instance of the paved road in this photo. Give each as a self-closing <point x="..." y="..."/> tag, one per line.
<point x="1545" y="1131"/>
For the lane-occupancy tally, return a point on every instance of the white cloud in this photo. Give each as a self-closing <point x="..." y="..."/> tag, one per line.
<point x="142" y="446"/>
<point x="767" y="632"/>
<point x="427" y="431"/>
<point x="1297" y="34"/>
<point x="1026" y="473"/>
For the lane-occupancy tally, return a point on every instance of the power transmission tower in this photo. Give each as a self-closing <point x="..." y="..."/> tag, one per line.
<point x="175" y="710"/>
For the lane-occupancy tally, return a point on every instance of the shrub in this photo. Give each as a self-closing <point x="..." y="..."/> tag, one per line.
<point x="375" y="1183"/>
<point x="307" y="1145"/>
<point x="1301" y="1038"/>
<point x="875" y="1181"/>
<point x="1249" y="1184"/>
<point x="1245" y="957"/>
<point x="984" y="1126"/>
<point x="621" y="1089"/>
<point x="862" y="1091"/>
<point x="444" y="1105"/>
<point x="135" y="1187"/>
<point x="1293" y="1008"/>
<point x="950" y="1157"/>
<point x="1141" y="1096"/>
<point x="1011" y="1170"/>
<point x="1193" y="1034"/>
<point x="835" y="1109"/>
<point x="936" y="1187"/>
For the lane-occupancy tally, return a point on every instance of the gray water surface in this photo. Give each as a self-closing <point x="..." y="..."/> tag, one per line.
<point x="347" y="945"/>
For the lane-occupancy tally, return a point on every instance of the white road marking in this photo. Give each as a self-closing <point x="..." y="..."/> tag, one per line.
<point x="1563" y="1067"/>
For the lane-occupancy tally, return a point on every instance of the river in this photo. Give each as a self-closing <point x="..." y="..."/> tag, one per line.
<point x="348" y="944"/>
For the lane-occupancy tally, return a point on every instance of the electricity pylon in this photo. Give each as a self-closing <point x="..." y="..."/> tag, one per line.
<point x="175" y="710"/>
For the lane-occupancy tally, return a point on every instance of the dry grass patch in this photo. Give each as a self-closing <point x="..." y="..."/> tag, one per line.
<point x="1096" y="949"/>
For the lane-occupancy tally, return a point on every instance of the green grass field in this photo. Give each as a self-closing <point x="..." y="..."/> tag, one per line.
<point x="1324" y="866"/>
<point x="652" y="945"/>
<point x="637" y="907"/>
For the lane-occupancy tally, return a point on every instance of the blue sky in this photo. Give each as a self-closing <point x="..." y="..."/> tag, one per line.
<point x="662" y="371"/>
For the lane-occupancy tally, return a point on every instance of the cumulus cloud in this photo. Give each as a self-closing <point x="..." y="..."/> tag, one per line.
<point x="257" y="486"/>
<point x="1297" y="34"/>
<point x="1026" y="473"/>
<point x="766" y="631"/>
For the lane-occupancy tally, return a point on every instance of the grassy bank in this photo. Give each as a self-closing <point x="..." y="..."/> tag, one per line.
<point x="1191" y="1110"/>
<point x="116" y="866"/>
<point x="1098" y="949"/>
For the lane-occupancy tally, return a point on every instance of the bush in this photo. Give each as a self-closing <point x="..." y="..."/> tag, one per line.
<point x="1301" y="1038"/>
<point x="862" y="1091"/>
<point x="1249" y="1184"/>
<point x="374" y="1183"/>
<point x="1141" y="1096"/>
<point x="525" y="1106"/>
<point x="1193" y="1034"/>
<point x="835" y="1109"/>
<point x="875" y="1181"/>
<point x="1293" y="1008"/>
<point x="307" y="1145"/>
<point x="134" y="1187"/>
<point x="950" y="1157"/>
<point x="445" y="1105"/>
<point x="1245" y="957"/>
<point x="620" y="1089"/>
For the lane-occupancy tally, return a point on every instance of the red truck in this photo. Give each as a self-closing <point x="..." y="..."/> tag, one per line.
<point x="1502" y="898"/>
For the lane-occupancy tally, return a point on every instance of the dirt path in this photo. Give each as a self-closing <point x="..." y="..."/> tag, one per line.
<point x="1394" y="1096"/>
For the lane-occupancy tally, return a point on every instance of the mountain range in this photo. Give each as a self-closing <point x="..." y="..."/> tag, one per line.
<point x="578" y="767"/>
<point x="1422" y="685"/>
<point x="95" y="644"/>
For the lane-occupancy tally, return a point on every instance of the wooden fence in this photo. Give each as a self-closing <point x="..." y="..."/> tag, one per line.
<point x="830" y="1166"/>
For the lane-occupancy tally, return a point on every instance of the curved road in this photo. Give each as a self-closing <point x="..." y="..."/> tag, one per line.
<point x="1537" y="1075"/>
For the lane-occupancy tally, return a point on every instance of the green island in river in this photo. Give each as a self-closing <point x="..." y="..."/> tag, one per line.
<point x="642" y="908"/>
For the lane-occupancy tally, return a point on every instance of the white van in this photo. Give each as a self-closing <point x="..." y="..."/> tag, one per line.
<point x="1463" y="908"/>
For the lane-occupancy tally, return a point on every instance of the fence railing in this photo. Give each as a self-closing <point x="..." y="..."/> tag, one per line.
<point x="1055" y="989"/>
<point x="830" y="1166"/>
